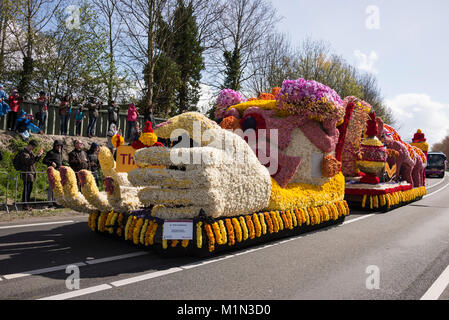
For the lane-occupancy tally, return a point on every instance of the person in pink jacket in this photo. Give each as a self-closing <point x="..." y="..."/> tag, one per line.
<point x="133" y="117"/>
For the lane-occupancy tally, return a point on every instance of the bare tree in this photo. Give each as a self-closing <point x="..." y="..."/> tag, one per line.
<point x="273" y="64"/>
<point x="32" y="16"/>
<point x="241" y="34"/>
<point x="110" y="25"/>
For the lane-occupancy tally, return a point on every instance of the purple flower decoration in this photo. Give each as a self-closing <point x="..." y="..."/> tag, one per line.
<point x="310" y="97"/>
<point x="225" y="99"/>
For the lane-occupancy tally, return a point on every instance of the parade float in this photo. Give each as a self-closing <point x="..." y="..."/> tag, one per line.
<point x="381" y="171"/>
<point x="266" y="169"/>
<point x="419" y="140"/>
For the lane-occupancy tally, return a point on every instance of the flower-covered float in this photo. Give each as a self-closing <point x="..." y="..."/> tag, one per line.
<point x="266" y="170"/>
<point x="419" y="140"/>
<point x="381" y="170"/>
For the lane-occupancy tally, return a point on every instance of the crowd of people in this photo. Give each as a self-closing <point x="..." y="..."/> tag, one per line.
<point x="79" y="158"/>
<point x="21" y="122"/>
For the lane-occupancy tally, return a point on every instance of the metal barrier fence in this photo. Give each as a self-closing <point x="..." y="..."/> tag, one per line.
<point x="53" y="123"/>
<point x="12" y="189"/>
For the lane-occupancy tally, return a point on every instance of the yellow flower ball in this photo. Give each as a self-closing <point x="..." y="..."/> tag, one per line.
<point x="148" y="138"/>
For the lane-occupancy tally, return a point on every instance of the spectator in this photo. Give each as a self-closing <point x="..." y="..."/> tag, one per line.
<point x="133" y="116"/>
<point x="92" y="156"/>
<point x="41" y="116"/>
<point x="135" y="133"/>
<point x="64" y="114"/>
<point x="93" y="115"/>
<point x="23" y="124"/>
<point x="53" y="158"/>
<point x="79" y="116"/>
<point x="78" y="158"/>
<point x="27" y="159"/>
<point x="4" y="107"/>
<point x="113" y="113"/>
<point x="14" y="102"/>
<point x="113" y="130"/>
<point x="150" y="117"/>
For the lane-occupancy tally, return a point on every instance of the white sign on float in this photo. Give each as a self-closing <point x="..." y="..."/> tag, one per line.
<point x="178" y="230"/>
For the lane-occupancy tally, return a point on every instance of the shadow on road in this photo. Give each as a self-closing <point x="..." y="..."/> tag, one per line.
<point x="74" y="243"/>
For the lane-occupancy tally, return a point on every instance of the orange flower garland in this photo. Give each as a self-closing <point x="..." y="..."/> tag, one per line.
<point x="230" y="228"/>
<point x="210" y="237"/>
<point x="269" y="222"/>
<point x="275" y="222"/>
<point x="250" y="225"/>
<point x="216" y="229"/>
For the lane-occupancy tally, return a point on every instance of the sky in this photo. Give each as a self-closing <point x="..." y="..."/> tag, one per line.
<point x="404" y="43"/>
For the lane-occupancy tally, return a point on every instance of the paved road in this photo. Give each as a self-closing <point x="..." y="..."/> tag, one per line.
<point x="406" y="250"/>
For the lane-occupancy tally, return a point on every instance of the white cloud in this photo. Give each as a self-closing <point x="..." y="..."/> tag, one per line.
<point x="414" y="111"/>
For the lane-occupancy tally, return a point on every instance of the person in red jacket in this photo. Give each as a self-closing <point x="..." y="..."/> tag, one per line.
<point x="14" y="103"/>
<point x="133" y="117"/>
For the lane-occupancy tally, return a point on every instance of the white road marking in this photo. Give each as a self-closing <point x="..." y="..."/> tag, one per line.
<point x="436" y="184"/>
<point x="36" y="224"/>
<point x="441" y="189"/>
<point x="7" y="244"/>
<point x="357" y="219"/>
<point x="77" y="293"/>
<point x="40" y="271"/>
<point x="120" y="257"/>
<point x="79" y="264"/>
<point x="438" y="286"/>
<point x="144" y="277"/>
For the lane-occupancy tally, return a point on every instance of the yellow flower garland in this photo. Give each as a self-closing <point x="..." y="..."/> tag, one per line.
<point x="136" y="231"/>
<point x="143" y="232"/>
<point x="389" y="199"/>
<point x="199" y="237"/>
<point x="237" y="229"/>
<point x="262" y="223"/>
<point x="224" y="239"/>
<point x="185" y="243"/>
<point x="244" y="228"/>
<point x="128" y="224"/>
<point x="279" y="219"/>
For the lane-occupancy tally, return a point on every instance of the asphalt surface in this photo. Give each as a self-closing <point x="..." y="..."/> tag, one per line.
<point x="402" y="254"/>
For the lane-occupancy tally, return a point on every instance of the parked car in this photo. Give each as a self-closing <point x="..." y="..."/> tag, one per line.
<point x="436" y="164"/>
